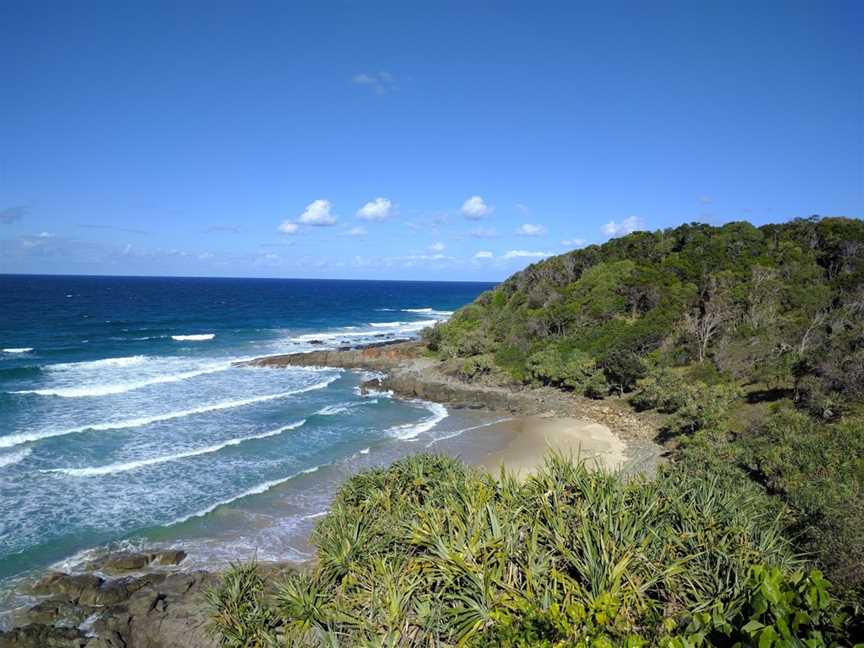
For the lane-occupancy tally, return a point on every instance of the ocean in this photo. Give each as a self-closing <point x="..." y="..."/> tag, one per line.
<point x="124" y="420"/>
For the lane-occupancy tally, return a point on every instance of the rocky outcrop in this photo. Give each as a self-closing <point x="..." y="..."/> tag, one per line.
<point x="375" y="357"/>
<point x="153" y="610"/>
<point x="128" y="561"/>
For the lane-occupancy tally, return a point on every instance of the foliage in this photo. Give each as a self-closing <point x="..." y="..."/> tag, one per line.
<point x="241" y="618"/>
<point x="780" y="302"/>
<point x="564" y="367"/>
<point x="429" y="552"/>
<point x="476" y="367"/>
<point x="818" y="470"/>
<point x="662" y="389"/>
<point x="732" y="319"/>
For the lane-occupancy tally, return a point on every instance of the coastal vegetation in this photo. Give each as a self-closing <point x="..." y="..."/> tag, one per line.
<point x="749" y="339"/>
<point x="746" y="342"/>
<point x="429" y="552"/>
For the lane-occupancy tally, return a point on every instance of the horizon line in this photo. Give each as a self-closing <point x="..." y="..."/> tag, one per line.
<point x="142" y="276"/>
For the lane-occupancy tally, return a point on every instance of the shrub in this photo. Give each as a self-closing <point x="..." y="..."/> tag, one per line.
<point x="429" y="552"/>
<point x="622" y="369"/>
<point x="661" y="389"/>
<point x="704" y="407"/>
<point x="476" y="367"/>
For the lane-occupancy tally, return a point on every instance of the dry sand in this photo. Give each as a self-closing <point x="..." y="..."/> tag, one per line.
<point x="532" y="437"/>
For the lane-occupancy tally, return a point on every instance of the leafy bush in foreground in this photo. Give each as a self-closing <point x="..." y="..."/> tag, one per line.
<point x="430" y="553"/>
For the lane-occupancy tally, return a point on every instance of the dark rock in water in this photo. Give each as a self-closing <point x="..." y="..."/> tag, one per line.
<point x="316" y="342"/>
<point x="125" y="562"/>
<point x="170" y="557"/>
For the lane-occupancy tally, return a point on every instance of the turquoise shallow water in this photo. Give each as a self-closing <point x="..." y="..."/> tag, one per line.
<point x="123" y="419"/>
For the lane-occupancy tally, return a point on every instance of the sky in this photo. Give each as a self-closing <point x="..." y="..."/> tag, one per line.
<point x="411" y="140"/>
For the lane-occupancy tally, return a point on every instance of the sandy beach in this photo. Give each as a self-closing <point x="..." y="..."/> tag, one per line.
<point x="533" y="437"/>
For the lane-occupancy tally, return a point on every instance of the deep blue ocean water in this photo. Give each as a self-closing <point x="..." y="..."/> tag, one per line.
<point x="123" y="417"/>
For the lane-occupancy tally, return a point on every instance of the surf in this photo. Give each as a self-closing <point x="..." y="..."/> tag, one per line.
<point x="29" y="437"/>
<point x="112" y="469"/>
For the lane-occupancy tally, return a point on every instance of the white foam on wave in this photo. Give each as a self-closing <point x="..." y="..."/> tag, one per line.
<point x="255" y="490"/>
<point x="196" y="337"/>
<point x="121" y="388"/>
<point x="27" y="437"/>
<point x="18" y="350"/>
<point x="14" y="457"/>
<point x="128" y="361"/>
<point x="406" y="327"/>
<point x="342" y="408"/>
<point x="411" y="430"/>
<point x="141" y="463"/>
<point x="373" y="393"/>
<point x="457" y="433"/>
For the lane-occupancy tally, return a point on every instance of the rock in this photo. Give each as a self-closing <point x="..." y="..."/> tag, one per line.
<point x="155" y="610"/>
<point x="170" y="557"/>
<point x="120" y="589"/>
<point x="118" y="563"/>
<point x="58" y="610"/>
<point x="38" y="635"/>
<point x="73" y="586"/>
<point x="170" y="614"/>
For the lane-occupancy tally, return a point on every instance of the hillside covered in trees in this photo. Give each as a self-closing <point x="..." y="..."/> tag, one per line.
<point x="750" y="339"/>
<point x="747" y="343"/>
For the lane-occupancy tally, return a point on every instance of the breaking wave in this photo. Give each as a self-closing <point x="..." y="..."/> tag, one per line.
<point x="133" y="465"/>
<point x="197" y="337"/>
<point x="27" y="437"/>
<point x="411" y="430"/>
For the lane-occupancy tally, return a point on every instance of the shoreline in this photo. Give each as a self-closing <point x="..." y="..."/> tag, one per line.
<point x="132" y="598"/>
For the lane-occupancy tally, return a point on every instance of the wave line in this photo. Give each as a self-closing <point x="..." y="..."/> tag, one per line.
<point x="17" y="439"/>
<point x="111" y="469"/>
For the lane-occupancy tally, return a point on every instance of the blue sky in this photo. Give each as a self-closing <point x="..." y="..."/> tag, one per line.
<point x="411" y="140"/>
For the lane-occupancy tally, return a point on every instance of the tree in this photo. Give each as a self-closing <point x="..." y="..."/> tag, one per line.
<point x="622" y="370"/>
<point x="714" y="313"/>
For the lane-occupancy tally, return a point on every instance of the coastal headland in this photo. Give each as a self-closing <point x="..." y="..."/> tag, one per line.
<point x="148" y="599"/>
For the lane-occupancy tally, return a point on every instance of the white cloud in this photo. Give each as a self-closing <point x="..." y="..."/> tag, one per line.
<point x="475" y="208"/>
<point x="287" y="227"/>
<point x="437" y="247"/>
<point x="484" y="232"/>
<point x="376" y="210"/>
<point x="483" y="254"/>
<point x="529" y="229"/>
<point x="357" y="231"/>
<point x="380" y="82"/>
<point x="574" y="242"/>
<point x="525" y="254"/>
<point x="423" y="257"/>
<point x="628" y="225"/>
<point x="317" y="213"/>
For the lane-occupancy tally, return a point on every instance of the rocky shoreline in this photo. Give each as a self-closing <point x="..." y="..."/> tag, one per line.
<point x="409" y="373"/>
<point x="147" y="600"/>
